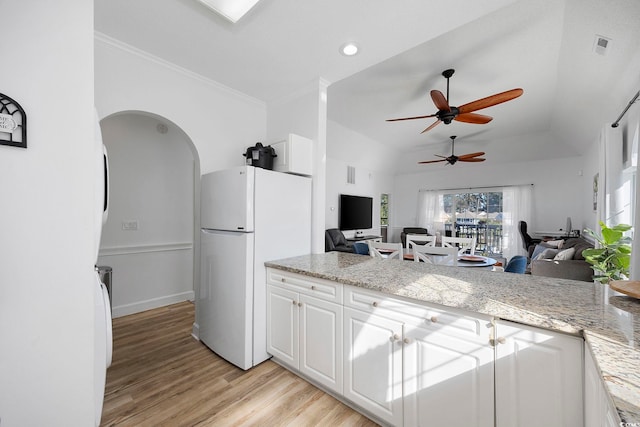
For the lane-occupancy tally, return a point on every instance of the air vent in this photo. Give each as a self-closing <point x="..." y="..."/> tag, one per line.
<point x="601" y="45"/>
<point x="351" y="175"/>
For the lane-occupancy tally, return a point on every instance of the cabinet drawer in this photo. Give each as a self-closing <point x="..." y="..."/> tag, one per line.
<point x="416" y="314"/>
<point x="319" y="288"/>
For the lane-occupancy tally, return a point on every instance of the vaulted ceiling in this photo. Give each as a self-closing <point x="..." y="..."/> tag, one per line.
<point x="544" y="47"/>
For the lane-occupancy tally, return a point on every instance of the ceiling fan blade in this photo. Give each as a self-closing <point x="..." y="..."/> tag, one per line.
<point x="432" y="161"/>
<point x="475" y="159"/>
<point x="479" y="119"/>
<point x="411" y="118"/>
<point x="471" y="155"/>
<point x="434" y="124"/>
<point x="490" y="101"/>
<point x="440" y="101"/>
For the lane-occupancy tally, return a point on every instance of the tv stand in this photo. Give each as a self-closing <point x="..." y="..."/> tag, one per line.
<point x="365" y="238"/>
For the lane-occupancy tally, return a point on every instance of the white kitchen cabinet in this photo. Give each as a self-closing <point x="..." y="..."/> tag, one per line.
<point x="373" y="364"/>
<point x="538" y="377"/>
<point x="598" y="409"/>
<point x="448" y="377"/>
<point x="304" y="332"/>
<point x="294" y="155"/>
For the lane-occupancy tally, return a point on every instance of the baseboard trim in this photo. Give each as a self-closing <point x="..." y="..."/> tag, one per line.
<point x="137" y="307"/>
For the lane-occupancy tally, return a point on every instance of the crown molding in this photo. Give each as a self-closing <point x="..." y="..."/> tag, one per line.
<point x="118" y="44"/>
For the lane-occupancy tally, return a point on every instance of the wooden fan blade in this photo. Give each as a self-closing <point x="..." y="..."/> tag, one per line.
<point x="479" y="119"/>
<point x="470" y="155"/>
<point x="475" y="159"/>
<point x="434" y="124"/>
<point x="490" y="101"/>
<point x="432" y="161"/>
<point x="440" y="101"/>
<point x="411" y="118"/>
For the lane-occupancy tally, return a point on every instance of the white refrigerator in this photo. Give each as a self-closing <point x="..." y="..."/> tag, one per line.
<point x="248" y="216"/>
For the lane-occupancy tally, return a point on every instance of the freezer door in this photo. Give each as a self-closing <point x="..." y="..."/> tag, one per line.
<point x="225" y="297"/>
<point x="226" y="201"/>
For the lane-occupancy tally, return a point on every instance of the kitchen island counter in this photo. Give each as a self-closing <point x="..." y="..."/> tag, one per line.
<point x="609" y="322"/>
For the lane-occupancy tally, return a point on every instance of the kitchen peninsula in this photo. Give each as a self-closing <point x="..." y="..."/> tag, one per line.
<point x="609" y="323"/>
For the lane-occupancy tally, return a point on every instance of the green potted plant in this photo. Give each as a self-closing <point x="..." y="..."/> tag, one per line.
<point x="611" y="260"/>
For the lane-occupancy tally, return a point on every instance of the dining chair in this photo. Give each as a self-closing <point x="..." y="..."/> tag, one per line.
<point x="385" y="250"/>
<point x="461" y="243"/>
<point x="439" y="255"/>
<point x="421" y="239"/>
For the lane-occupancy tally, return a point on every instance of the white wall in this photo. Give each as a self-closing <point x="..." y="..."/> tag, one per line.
<point x="372" y="162"/>
<point x="557" y="191"/>
<point x="305" y="113"/>
<point x="152" y="183"/>
<point x="46" y="219"/>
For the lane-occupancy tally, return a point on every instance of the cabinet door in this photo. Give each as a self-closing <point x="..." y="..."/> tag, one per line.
<point x="282" y="325"/>
<point x="598" y="410"/>
<point x="448" y="379"/>
<point x="373" y="364"/>
<point x="538" y="377"/>
<point x="321" y="342"/>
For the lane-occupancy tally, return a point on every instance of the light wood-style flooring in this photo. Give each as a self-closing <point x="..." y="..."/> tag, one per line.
<point x="162" y="376"/>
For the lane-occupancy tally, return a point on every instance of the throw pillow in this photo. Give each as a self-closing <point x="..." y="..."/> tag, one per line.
<point x="565" y="255"/>
<point x="540" y="247"/>
<point x="555" y="243"/>
<point x="548" y="253"/>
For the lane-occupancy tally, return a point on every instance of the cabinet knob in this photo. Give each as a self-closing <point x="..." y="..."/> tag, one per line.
<point x="501" y="340"/>
<point x="395" y="337"/>
<point x="294" y="303"/>
<point x="406" y="341"/>
<point x="282" y="279"/>
<point x="313" y="288"/>
<point x="375" y="304"/>
<point x="434" y="319"/>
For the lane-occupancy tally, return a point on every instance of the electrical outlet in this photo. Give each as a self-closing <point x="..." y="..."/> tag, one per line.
<point x="130" y="225"/>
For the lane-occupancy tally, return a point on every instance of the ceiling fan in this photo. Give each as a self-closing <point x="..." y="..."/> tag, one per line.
<point x="464" y="113"/>
<point x="452" y="159"/>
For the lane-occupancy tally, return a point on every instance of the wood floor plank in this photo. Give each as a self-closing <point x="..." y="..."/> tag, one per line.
<point x="162" y="376"/>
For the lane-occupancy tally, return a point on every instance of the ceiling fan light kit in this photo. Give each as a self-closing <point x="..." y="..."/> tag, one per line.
<point x="464" y="113"/>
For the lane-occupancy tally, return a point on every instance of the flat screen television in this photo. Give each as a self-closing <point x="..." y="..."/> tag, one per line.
<point x="355" y="212"/>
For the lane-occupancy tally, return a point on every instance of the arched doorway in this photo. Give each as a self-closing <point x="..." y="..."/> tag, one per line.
<point x="150" y="238"/>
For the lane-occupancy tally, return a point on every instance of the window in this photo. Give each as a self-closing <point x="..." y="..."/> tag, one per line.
<point x="477" y="214"/>
<point x="384" y="210"/>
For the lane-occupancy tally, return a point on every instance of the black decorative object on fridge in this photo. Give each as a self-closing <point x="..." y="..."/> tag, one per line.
<point x="13" y="123"/>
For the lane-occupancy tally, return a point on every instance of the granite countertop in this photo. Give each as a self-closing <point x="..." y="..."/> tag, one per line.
<point x="609" y="322"/>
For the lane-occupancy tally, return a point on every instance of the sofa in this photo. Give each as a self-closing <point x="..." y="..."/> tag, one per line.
<point x="410" y="230"/>
<point x="562" y="259"/>
<point x="334" y="240"/>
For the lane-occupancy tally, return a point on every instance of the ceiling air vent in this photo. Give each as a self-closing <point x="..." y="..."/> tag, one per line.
<point x="601" y="45"/>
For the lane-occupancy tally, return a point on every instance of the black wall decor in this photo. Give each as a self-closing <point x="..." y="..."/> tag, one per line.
<point x="13" y="123"/>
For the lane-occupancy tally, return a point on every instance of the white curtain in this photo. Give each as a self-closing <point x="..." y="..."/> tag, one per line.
<point x="516" y="206"/>
<point x="430" y="211"/>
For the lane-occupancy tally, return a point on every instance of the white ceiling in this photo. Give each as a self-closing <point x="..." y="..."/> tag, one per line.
<point x="542" y="46"/>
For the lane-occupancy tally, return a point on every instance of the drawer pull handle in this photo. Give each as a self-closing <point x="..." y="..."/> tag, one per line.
<point x="282" y="279"/>
<point x="434" y="319"/>
<point x="313" y="288"/>
<point x="375" y="304"/>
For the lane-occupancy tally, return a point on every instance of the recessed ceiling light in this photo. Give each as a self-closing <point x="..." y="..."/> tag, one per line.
<point x="349" y="49"/>
<point x="233" y="10"/>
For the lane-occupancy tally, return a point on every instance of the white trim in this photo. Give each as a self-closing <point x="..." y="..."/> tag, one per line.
<point x="137" y="307"/>
<point x="143" y="249"/>
<point x="98" y="36"/>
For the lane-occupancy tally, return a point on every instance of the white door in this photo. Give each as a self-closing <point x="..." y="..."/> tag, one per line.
<point x="282" y="325"/>
<point x="373" y="364"/>
<point x="321" y="342"/>
<point x="226" y="295"/>
<point x="448" y="380"/>
<point x="538" y="377"/>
